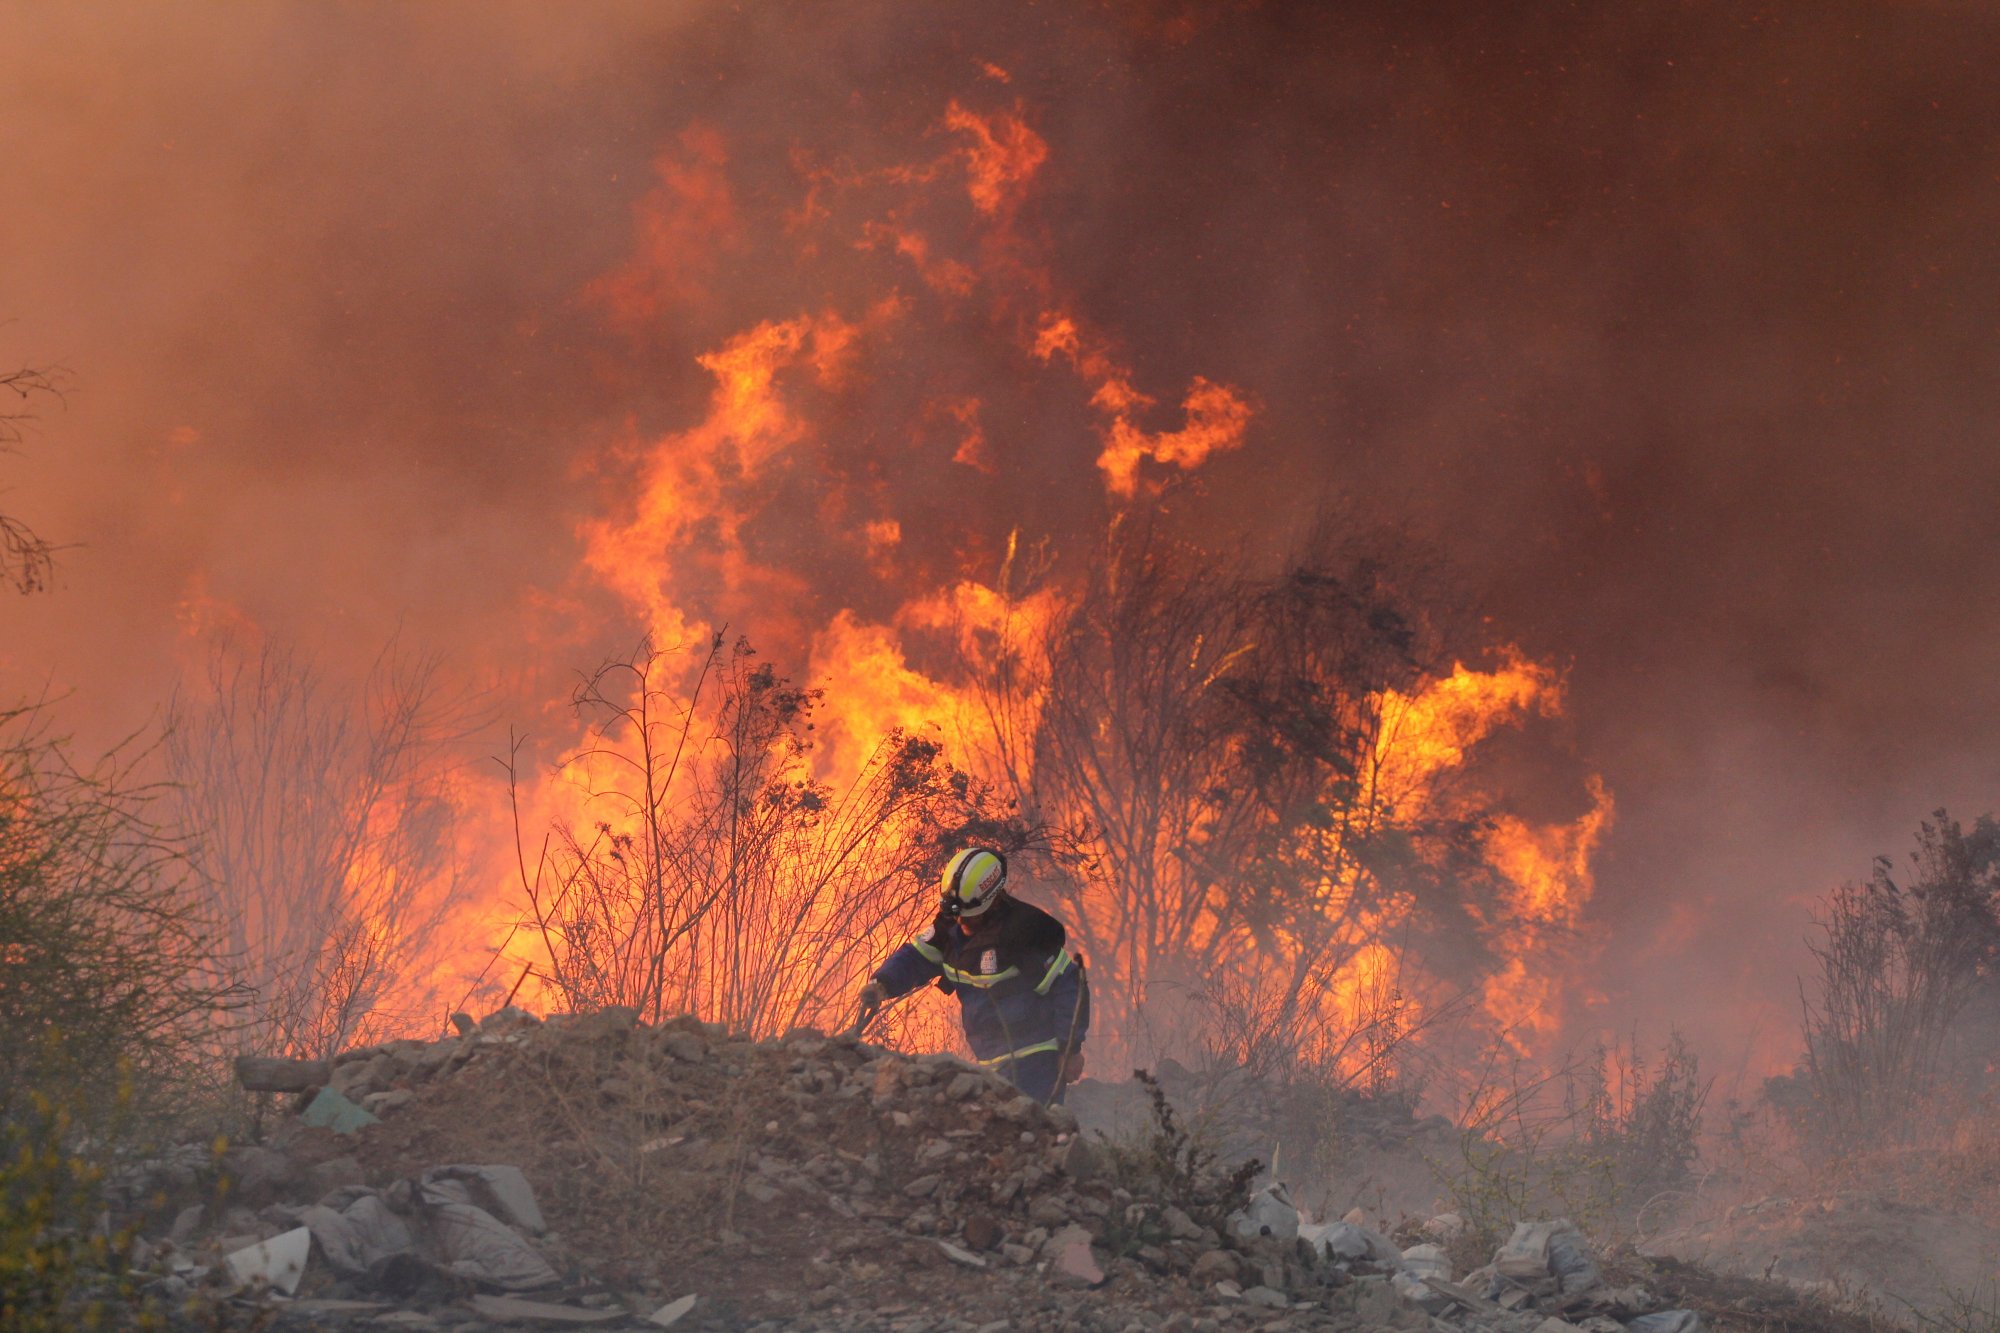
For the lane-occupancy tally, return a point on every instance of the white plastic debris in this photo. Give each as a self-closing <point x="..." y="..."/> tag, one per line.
<point x="500" y="1190"/>
<point x="672" y="1312"/>
<point x="1418" y="1294"/>
<point x="480" y="1246"/>
<point x="1348" y="1241"/>
<point x="1421" y="1261"/>
<point x="278" y="1263"/>
<point x="1270" y="1214"/>
<point x="357" y="1235"/>
<point x="1667" y="1321"/>
<point x="1526" y="1253"/>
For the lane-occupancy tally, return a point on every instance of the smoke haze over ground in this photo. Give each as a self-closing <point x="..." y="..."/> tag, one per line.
<point x="1671" y="325"/>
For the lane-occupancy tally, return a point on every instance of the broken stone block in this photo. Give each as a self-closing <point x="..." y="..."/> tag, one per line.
<point x="1072" y="1262"/>
<point x="186" y="1223"/>
<point x="258" y="1174"/>
<point x="1215" y="1266"/>
<point x="960" y="1256"/>
<point x="1268" y="1297"/>
<point x="277" y="1263"/>
<point x="1376" y="1304"/>
<point x="508" y="1019"/>
<point x="1180" y="1226"/>
<point x="684" y="1046"/>
<point x="258" y="1073"/>
<point x="1080" y="1161"/>
<point x="323" y="1178"/>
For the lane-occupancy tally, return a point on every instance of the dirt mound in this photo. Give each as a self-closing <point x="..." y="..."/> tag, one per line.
<point x="1853" y="1246"/>
<point x="596" y="1171"/>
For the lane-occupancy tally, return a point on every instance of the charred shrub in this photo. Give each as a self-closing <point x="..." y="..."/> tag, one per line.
<point x="1596" y="1142"/>
<point x="1900" y="966"/>
<point x="1168" y="1166"/>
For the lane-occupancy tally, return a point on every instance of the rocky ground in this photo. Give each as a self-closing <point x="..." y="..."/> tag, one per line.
<point x="597" y="1172"/>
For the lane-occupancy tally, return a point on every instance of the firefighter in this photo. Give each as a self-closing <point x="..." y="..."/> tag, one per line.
<point x="1022" y="995"/>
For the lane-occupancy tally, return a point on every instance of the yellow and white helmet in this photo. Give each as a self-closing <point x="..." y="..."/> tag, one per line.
<point x="972" y="880"/>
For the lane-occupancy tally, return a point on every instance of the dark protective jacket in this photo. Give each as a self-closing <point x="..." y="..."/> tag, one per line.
<point x="1019" y="989"/>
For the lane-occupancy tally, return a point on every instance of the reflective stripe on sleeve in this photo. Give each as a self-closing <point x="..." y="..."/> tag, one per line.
<point x="1050" y="1045"/>
<point x="930" y="951"/>
<point x="1057" y="966"/>
<point x="977" y="980"/>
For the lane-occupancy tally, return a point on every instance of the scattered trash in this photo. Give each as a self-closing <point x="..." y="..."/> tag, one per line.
<point x="356" y="1234"/>
<point x="480" y="1246"/>
<point x="277" y="1263"/>
<point x="672" y="1312"/>
<point x="501" y="1190"/>
<point x="1421" y="1261"/>
<point x="1270" y="1213"/>
<point x="1572" y="1262"/>
<point x="1666" y="1321"/>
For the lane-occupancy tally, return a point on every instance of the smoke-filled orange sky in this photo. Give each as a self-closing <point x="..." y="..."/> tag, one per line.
<point x="1672" y="325"/>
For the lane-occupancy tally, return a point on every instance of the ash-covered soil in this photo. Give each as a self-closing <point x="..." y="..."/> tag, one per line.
<point x="682" y="1177"/>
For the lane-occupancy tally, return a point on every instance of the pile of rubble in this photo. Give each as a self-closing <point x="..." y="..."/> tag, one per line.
<point x="596" y="1171"/>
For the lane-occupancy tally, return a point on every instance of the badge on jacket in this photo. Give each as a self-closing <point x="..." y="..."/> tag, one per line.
<point x="989" y="962"/>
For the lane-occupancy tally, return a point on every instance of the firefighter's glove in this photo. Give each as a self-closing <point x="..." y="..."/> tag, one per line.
<point x="872" y="999"/>
<point x="1072" y="1066"/>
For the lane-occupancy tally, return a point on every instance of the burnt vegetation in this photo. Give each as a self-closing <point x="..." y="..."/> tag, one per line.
<point x="27" y="559"/>
<point x="1901" y="1013"/>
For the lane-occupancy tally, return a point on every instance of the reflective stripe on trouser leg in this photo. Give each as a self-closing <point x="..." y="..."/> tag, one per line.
<point x="1037" y="1075"/>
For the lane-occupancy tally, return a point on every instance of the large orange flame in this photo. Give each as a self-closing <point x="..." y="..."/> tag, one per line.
<point x="958" y="654"/>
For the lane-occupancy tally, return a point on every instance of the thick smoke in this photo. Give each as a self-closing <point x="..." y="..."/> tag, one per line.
<point x="1671" y="325"/>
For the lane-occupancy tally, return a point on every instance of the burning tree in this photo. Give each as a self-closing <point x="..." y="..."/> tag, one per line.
<point x="703" y="867"/>
<point x="1241" y="758"/>
<point x="322" y="825"/>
